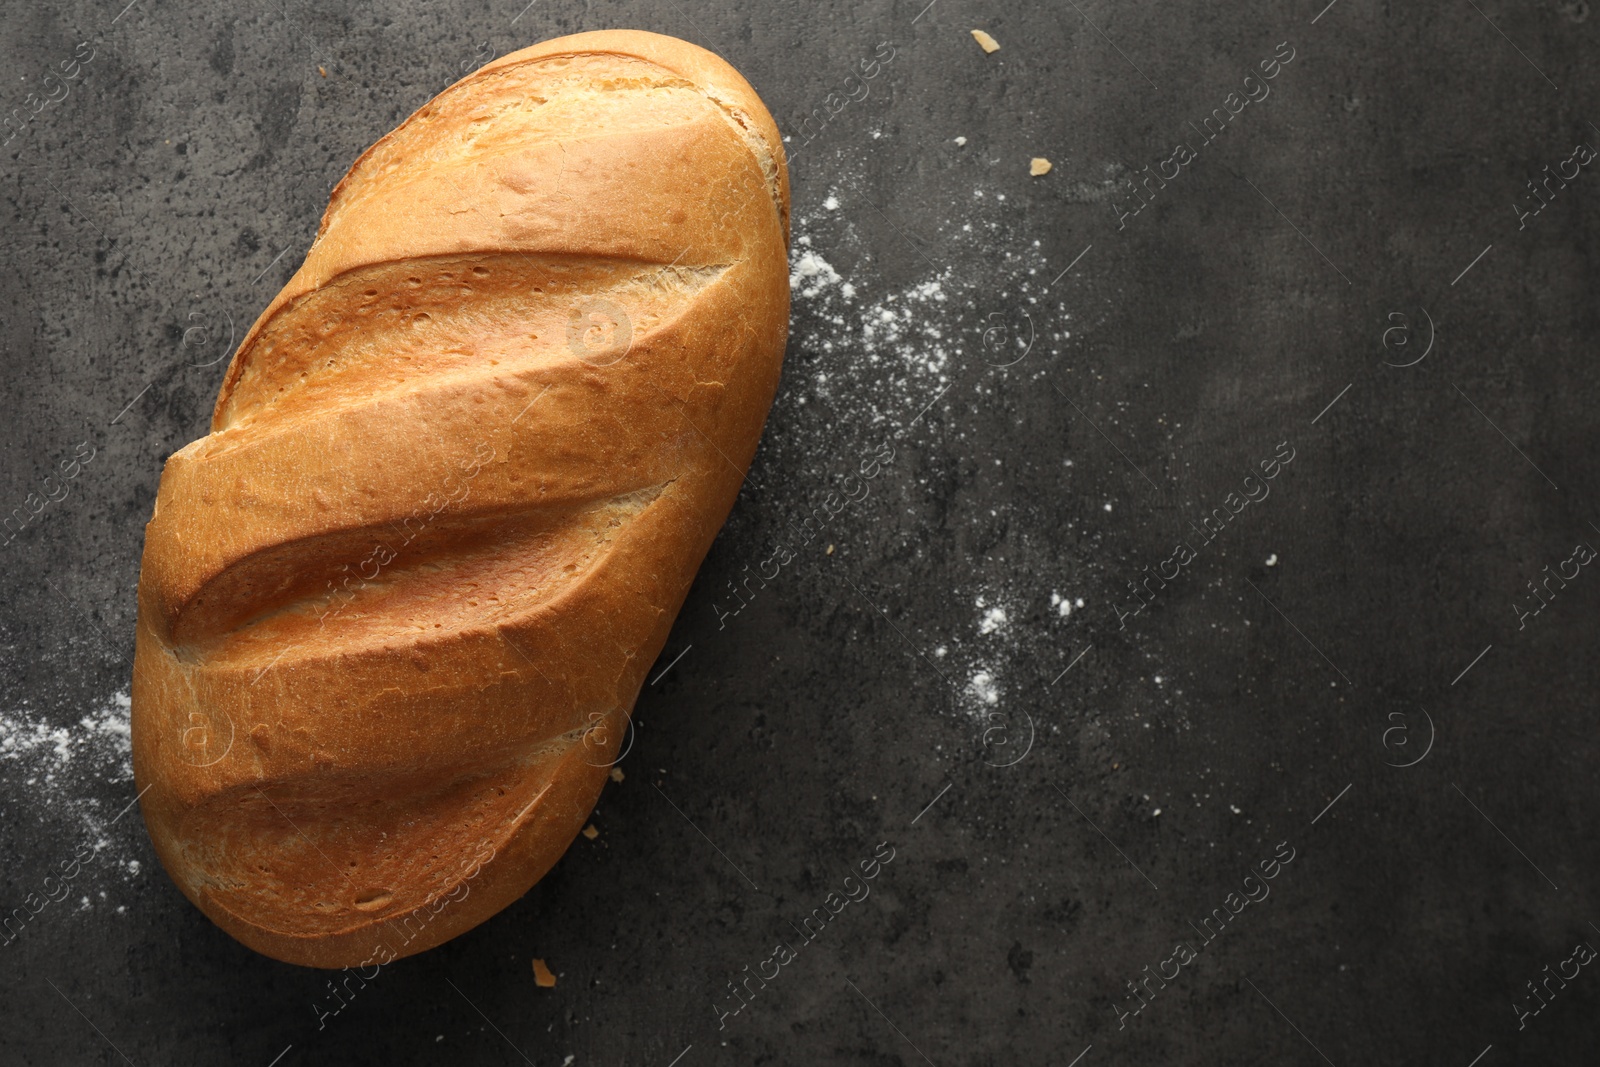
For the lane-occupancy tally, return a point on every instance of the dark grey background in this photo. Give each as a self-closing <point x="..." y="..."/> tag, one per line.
<point x="181" y="181"/>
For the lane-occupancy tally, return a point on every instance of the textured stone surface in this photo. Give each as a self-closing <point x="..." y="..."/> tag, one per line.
<point x="181" y="178"/>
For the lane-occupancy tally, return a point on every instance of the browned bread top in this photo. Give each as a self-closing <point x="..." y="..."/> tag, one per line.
<point x="395" y="608"/>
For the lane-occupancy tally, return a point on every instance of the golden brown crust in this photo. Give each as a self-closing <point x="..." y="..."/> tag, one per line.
<point x="395" y="609"/>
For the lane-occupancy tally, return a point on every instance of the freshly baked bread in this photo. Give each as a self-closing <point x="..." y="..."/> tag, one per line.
<point x="396" y="608"/>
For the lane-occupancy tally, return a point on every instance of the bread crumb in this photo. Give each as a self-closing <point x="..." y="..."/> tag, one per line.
<point x="322" y="71"/>
<point x="590" y="832"/>
<point x="1038" y="166"/>
<point x="542" y="976"/>
<point x="961" y="142"/>
<point x="617" y="775"/>
<point x="987" y="43"/>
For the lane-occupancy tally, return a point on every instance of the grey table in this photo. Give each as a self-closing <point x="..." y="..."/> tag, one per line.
<point x="1212" y="475"/>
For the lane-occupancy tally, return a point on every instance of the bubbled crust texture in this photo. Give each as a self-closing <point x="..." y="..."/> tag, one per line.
<point x="395" y="609"/>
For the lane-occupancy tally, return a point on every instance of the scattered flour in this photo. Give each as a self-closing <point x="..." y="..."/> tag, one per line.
<point x="63" y="771"/>
<point x="811" y="274"/>
<point x="1064" y="604"/>
<point x="994" y="651"/>
<point x="876" y="354"/>
<point x="98" y="748"/>
<point x="922" y="322"/>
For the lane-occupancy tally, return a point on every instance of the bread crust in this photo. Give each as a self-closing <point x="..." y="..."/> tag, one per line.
<point x="395" y="609"/>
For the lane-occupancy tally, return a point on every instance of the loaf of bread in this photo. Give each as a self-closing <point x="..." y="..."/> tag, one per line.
<point x="395" y="609"/>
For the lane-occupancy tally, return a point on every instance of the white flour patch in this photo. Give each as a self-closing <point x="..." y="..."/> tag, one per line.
<point x="905" y="321"/>
<point x="1064" y="605"/>
<point x="984" y="689"/>
<point x="987" y="654"/>
<point x="811" y="274"/>
<point x="878" y="353"/>
<point x="62" y="771"/>
<point x="99" y="747"/>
